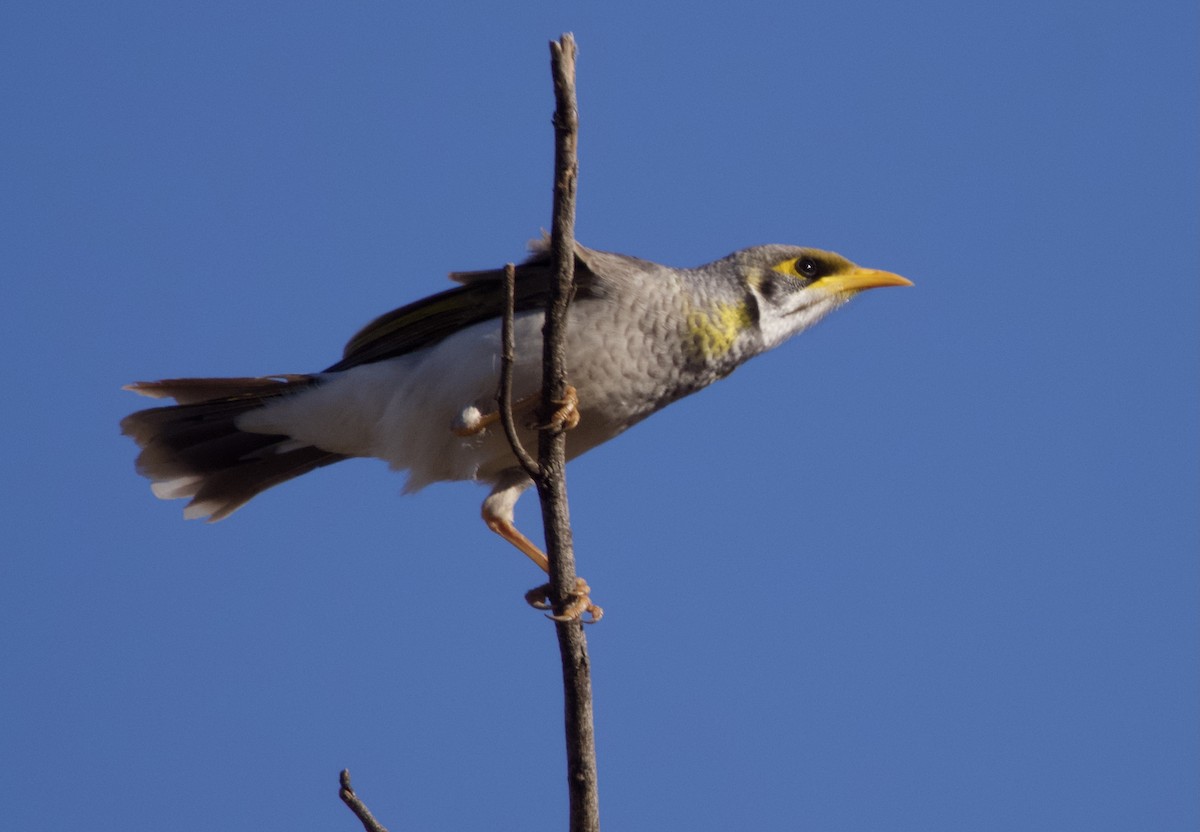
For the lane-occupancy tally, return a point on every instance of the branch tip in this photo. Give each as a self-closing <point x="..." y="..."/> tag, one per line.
<point x="360" y="810"/>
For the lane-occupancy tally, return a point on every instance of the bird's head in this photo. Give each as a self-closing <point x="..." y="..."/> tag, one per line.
<point x="795" y="287"/>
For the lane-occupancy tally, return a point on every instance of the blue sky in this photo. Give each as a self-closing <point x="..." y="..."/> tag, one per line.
<point x="932" y="565"/>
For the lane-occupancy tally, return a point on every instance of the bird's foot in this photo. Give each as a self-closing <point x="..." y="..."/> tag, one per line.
<point x="471" y="421"/>
<point x="566" y="413"/>
<point x="578" y="603"/>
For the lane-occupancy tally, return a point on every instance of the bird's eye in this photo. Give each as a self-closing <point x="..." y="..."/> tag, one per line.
<point x="806" y="267"/>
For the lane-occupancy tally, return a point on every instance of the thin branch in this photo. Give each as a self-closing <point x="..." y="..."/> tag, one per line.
<point x="552" y="487"/>
<point x="552" y="443"/>
<point x="549" y="471"/>
<point x="360" y="810"/>
<point x="507" y="358"/>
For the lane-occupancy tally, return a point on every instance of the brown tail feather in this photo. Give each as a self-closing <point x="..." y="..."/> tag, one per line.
<point x="194" y="449"/>
<point x="192" y="390"/>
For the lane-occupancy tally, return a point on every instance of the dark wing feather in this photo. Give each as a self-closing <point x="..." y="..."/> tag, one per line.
<point x="481" y="297"/>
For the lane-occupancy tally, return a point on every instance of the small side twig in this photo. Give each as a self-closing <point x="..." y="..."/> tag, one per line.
<point x="360" y="810"/>
<point x="507" y="358"/>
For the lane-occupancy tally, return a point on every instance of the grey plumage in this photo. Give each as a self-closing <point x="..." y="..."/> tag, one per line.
<point x="416" y="387"/>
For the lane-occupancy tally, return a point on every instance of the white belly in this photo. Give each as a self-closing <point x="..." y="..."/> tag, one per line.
<point x="404" y="410"/>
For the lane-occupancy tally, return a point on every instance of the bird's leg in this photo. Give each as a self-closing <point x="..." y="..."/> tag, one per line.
<point x="578" y="602"/>
<point x="509" y="532"/>
<point x="471" y="421"/>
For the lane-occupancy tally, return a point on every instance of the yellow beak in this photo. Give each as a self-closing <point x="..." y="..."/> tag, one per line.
<point x="856" y="280"/>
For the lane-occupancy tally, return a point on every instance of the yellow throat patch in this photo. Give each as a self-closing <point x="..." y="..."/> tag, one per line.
<point x="713" y="331"/>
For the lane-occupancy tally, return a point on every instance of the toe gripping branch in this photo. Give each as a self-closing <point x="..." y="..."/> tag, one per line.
<point x="472" y="421"/>
<point x="578" y="602"/>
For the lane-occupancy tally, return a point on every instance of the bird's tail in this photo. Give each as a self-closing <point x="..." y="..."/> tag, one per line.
<point x="195" y="449"/>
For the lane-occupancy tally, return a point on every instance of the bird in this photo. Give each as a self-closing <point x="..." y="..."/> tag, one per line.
<point x="417" y="386"/>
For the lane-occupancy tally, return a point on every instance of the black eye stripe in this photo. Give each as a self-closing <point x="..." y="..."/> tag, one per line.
<point x="768" y="288"/>
<point x="808" y="267"/>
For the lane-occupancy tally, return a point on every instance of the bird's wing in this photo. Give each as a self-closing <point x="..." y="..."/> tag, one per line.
<point x="480" y="298"/>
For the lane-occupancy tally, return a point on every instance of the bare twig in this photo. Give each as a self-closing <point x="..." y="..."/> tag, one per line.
<point x="552" y="488"/>
<point x="548" y="472"/>
<point x="507" y="358"/>
<point x="360" y="810"/>
<point x="552" y="443"/>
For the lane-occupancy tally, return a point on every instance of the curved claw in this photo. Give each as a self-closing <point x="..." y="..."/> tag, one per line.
<point x="566" y="415"/>
<point x="578" y="605"/>
<point x="593" y="612"/>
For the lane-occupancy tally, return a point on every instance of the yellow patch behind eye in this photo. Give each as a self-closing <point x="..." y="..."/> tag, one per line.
<point x="788" y="267"/>
<point x="714" y="330"/>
